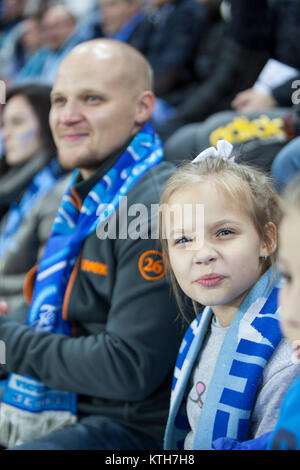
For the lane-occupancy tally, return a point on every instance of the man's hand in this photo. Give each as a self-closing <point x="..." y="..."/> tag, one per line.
<point x="4" y="308"/>
<point x="251" y="100"/>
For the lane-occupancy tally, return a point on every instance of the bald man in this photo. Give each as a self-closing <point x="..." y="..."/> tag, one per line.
<point x="101" y="327"/>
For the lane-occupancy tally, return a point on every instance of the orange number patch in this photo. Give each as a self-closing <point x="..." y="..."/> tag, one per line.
<point x="151" y="265"/>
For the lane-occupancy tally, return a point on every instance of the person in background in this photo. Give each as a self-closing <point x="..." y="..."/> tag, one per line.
<point x="165" y="32"/>
<point x="13" y="25"/>
<point x="260" y="34"/>
<point x="286" y="164"/>
<point x="12" y="13"/>
<point x="171" y="49"/>
<point x="30" y="191"/>
<point x="121" y="20"/>
<point x="30" y="40"/>
<point x="80" y="9"/>
<point x="20" y="45"/>
<point x="60" y="33"/>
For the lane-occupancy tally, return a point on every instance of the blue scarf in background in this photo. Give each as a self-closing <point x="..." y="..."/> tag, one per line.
<point x="249" y="343"/>
<point x="40" y="185"/>
<point x="30" y="409"/>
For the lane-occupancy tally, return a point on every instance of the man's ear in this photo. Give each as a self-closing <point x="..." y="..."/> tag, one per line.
<point x="145" y="107"/>
<point x="270" y="244"/>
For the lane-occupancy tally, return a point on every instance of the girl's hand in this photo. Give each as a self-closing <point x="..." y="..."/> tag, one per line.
<point x="251" y="101"/>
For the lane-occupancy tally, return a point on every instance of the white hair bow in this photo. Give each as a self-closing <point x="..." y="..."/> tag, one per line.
<point x="223" y="150"/>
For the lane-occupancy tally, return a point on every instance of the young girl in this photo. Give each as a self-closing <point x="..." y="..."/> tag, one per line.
<point x="233" y="366"/>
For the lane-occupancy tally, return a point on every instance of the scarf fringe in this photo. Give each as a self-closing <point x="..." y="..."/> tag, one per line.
<point x="19" y="426"/>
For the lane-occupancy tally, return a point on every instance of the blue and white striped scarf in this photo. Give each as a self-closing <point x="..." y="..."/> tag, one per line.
<point x="249" y="343"/>
<point x="40" y="185"/>
<point x="29" y="408"/>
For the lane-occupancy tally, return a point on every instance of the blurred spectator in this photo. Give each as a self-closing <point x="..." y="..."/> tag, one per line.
<point x="20" y="44"/>
<point x="123" y="20"/>
<point x="81" y="9"/>
<point x="170" y="49"/>
<point x="286" y="164"/>
<point x="31" y="37"/>
<point x="115" y="14"/>
<point x="257" y="30"/>
<point x="269" y="105"/>
<point x="59" y="35"/>
<point x="165" y="31"/>
<point x="57" y="25"/>
<point x="11" y="28"/>
<point x="257" y="137"/>
<point x="29" y="193"/>
<point x="38" y="7"/>
<point x="235" y="67"/>
<point x="12" y="12"/>
<point x="172" y="44"/>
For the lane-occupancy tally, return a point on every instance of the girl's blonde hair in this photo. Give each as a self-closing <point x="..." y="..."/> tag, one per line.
<point x="249" y="187"/>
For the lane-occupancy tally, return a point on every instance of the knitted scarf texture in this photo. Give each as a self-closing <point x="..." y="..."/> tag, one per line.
<point x="40" y="185"/>
<point x="249" y="343"/>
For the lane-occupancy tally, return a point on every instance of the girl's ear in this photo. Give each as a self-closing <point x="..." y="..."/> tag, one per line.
<point x="269" y="245"/>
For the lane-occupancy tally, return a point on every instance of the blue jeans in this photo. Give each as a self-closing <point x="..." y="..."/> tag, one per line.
<point x="94" y="433"/>
<point x="286" y="164"/>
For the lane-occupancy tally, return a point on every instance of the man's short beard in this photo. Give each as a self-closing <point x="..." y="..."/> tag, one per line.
<point x="89" y="162"/>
